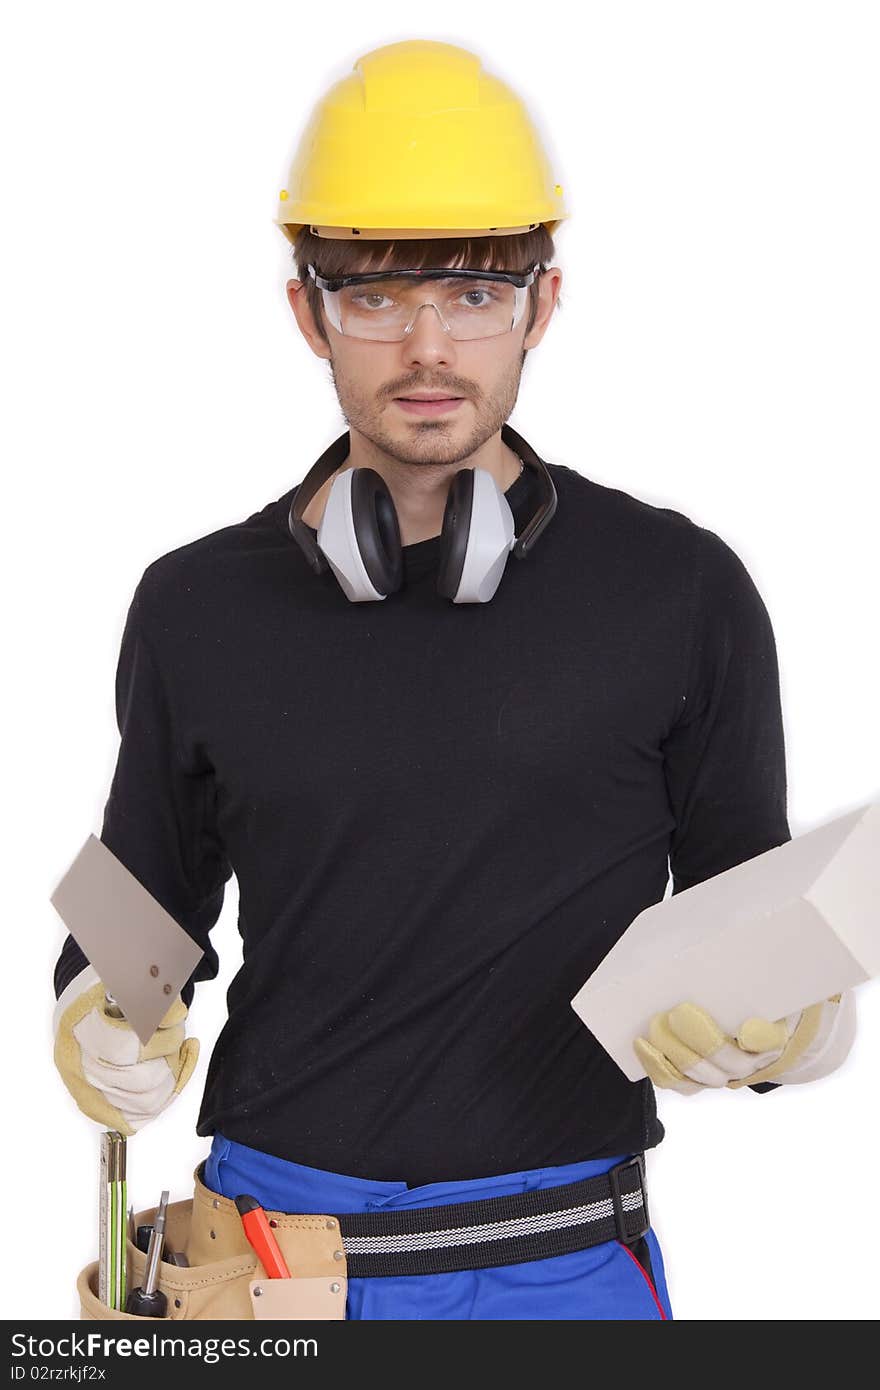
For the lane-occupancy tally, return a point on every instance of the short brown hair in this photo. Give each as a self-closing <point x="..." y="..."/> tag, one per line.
<point x="336" y="256"/>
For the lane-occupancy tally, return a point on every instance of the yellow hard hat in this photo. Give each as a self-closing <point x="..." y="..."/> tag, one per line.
<point x="419" y="141"/>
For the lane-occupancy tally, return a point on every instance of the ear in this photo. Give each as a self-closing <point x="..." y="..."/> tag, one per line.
<point x="549" y="285"/>
<point x="298" y="300"/>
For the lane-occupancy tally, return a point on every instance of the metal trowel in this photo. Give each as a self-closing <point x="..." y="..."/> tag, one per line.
<point x="141" y="954"/>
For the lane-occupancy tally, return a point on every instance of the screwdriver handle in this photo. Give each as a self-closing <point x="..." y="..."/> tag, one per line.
<point x="147" y="1305"/>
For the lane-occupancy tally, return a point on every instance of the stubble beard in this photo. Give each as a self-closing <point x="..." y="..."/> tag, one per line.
<point x="426" y="441"/>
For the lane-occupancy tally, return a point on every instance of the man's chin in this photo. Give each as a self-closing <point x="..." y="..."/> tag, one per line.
<point x="426" y="441"/>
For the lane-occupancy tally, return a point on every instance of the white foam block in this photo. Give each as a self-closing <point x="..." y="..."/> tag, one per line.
<point x="771" y="935"/>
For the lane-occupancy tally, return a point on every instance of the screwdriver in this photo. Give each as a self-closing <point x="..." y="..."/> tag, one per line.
<point x="148" y="1300"/>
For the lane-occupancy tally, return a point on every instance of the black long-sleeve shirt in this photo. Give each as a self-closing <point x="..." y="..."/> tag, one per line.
<point x="441" y="817"/>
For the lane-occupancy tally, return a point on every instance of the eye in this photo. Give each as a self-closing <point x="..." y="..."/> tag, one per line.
<point x="472" y="302"/>
<point x="367" y="299"/>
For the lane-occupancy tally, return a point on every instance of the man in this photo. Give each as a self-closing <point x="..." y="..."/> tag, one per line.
<point x="447" y="780"/>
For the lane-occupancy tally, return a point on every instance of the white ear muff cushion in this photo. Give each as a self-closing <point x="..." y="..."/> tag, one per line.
<point x="490" y="540"/>
<point x="338" y="542"/>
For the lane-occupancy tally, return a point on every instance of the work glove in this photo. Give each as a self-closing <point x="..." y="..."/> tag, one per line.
<point x="687" y="1051"/>
<point x="113" y="1077"/>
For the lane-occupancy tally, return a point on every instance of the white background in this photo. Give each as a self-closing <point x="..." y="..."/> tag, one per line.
<point x="716" y="352"/>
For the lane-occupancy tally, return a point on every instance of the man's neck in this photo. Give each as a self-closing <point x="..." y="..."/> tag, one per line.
<point x="419" y="490"/>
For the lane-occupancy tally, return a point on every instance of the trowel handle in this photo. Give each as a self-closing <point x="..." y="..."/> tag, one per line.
<point x="111" y="1007"/>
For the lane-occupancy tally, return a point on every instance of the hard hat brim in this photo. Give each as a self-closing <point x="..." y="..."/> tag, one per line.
<point x="337" y="233"/>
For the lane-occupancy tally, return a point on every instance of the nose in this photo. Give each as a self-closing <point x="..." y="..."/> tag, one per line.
<point x="428" y="341"/>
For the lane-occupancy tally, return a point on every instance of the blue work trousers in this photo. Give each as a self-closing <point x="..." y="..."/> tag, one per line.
<point x="605" y="1281"/>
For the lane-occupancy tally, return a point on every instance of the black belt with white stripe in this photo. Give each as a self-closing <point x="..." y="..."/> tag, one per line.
<point x="499" y="1230"/>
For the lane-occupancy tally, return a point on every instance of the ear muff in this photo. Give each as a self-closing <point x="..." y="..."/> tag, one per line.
<point x="358" y="535"/>
<point x="454" y="535"/>
<point x="377" y="530"/>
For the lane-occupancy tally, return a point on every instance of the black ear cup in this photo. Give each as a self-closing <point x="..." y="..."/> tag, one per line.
<point x="454" y="535"/>
<point x="377" y="529"/>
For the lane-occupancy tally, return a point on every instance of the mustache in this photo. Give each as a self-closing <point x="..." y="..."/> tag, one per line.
<point x="452" y="388"/>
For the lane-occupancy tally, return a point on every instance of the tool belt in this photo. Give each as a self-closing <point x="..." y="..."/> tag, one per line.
<point x="224" y="1278"/>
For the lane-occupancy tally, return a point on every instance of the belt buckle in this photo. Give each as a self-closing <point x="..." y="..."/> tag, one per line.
<point x="637" y="1161"/>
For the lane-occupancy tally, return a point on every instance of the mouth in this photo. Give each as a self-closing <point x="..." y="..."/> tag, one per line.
<point x="428" y="404"/>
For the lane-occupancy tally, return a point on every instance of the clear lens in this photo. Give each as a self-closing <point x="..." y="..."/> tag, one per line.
<point x="385" y="310"/>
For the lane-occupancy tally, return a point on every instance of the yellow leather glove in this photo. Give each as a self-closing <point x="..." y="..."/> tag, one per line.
<point x="687" y="1051"/>
<point x="113" y="1077"/>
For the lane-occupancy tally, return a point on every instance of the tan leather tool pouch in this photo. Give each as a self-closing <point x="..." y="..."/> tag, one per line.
<point x="224" y="1278"/>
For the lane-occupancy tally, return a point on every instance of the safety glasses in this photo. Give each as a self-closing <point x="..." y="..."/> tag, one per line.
<point x="381" y="306"/>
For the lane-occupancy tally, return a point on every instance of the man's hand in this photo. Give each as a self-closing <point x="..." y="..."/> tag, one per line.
<point x="114" y="1079"/>
<point x="687" y="1051"/>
